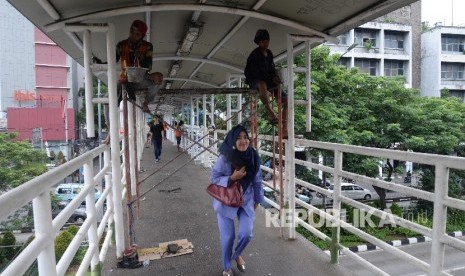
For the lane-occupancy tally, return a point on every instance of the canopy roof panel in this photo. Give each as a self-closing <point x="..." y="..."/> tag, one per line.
<point x="226" y="28"/>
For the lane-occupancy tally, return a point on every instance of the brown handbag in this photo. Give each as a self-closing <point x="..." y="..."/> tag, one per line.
<point x="230" y="196"/>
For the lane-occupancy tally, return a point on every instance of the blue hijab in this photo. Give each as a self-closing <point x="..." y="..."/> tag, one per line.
<point x="250" y="158"/>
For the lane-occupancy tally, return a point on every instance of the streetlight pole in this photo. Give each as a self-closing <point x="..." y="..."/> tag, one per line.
<point x="349" y="49"/>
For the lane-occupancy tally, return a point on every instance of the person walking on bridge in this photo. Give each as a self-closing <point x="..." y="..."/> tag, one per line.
<point x="238" y="161"/>
<point x="157" y="131"/>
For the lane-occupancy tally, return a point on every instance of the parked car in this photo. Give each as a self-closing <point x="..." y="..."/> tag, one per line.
<point x="351" y="191"/>
<point x="68" y="191"/>
<point x="269" y="193"/>
<point x="78" y="216"/>
<point x="304" y="198"/>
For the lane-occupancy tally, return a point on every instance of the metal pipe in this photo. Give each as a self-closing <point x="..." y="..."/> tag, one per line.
<point x="290" y="145"/>
<point x="127" y="163"/>
<point x="42" y="207"/>
<point x="92" y="214"/>
<point x="89" y="91"/>
<point x="438" y="248"/>
<point x="132" y="147"/>
<point x="49" y="9"/>
<point x="114" y="141"/>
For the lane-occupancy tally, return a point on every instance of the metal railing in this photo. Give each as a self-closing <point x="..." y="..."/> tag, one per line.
<point x="42" y="247"/>
<point x="440" y="199"/>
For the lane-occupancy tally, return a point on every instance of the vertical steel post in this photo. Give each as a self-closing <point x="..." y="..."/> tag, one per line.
<point x="92" y="214"/>
<point x="135" y="160"/>
<point x="110" y="204"/>
<point x="290" y="145"/>
<point x="42" y="208"/>
<point x="114" y="142"/>
<point x="336" y="229"/>
<point x="206" y="154"/>
<point x="441" y="187"/>
<point x="127" y="163"/>
<point x="228" y="108"/>
<point x="132" y="147"/>
<point x="89" y="90"/>
<point x="308" y="85"/>
<point x="212" y="106"/>
<point x="239" y="108"/>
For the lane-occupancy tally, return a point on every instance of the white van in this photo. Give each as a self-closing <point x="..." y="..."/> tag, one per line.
<point x="68" y="191"/>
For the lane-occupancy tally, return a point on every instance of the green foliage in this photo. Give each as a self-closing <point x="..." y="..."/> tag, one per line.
<point x="7" y="250"/>
<point x="396" y="210"/>
<point x="62" y="242"/>
<point x="425" y="26"/>
<point x="73" y="229"/>
<point x="19" y="162"/>
<point x="368" y="44"/>
<point x="81" y="115"/>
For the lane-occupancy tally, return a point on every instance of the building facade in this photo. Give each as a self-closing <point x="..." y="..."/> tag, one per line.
<point x="387" y="46"/>
<point x="37" y="84"/>
<point x="443" y="61"/>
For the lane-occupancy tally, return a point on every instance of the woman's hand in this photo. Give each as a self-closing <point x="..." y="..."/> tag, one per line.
<point x="255" y="205"/>
<point x="238" y="174"/>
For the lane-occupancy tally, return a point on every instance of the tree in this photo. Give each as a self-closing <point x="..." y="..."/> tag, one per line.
<point x="81" y="116"/>
<point x="350" y="107"/>
<point x="19" y="162"/>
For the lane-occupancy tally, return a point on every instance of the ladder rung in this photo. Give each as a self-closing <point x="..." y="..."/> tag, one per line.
<point x="300" y="102"/>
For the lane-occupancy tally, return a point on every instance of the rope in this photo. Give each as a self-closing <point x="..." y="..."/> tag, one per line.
<point x="169" y="175"/>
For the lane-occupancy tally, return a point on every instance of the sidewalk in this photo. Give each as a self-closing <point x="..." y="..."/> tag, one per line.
<point x="188" y="214"/>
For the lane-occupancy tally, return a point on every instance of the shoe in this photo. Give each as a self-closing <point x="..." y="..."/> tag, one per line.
<point x="240" y="267"/>
<point x="228" y="273"/>
<point x="157" y="160"/>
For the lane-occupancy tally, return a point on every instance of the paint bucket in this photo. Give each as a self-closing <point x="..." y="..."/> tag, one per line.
<point x="135" y="74"/>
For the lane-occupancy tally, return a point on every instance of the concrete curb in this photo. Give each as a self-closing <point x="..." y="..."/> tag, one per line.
<point x="396" y="243"/>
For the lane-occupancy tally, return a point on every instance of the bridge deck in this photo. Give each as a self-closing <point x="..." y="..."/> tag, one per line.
<point x="188" y="214"/>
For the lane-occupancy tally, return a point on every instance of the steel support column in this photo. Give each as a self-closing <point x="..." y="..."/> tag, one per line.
<point x="114" y="142"/>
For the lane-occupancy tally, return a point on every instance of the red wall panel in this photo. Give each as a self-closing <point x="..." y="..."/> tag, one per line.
<point x="51" y="120"/>
<point x="51" y="76"/>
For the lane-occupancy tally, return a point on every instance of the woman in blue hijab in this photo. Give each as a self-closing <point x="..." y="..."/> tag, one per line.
<point x="238" y="161"/>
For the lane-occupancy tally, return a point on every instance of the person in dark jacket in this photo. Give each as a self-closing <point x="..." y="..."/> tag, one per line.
<point x="260" y="74"/>
<point x="238" y="161"/>
<point x="157" y="131"/>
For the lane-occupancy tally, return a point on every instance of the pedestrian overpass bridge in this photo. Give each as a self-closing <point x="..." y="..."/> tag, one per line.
<point x="170" y="203"/>
<point x="200" y="45"/>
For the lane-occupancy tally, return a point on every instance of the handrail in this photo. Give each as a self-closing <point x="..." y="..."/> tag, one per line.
<point x="441" y="200"/>
<point x="22" y="195"/>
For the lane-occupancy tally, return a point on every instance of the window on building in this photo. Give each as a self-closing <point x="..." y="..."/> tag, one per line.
<point x="343" y="39"/>
<point x="458" y="94"/>
<point x="453" y="43"/>
<point x="394" y="40"/>
<point x="393" y="68"/>
<point x="364" y="35"/>
<point x="369" y="66"/>
<point x="452" y="71"/>
<point x="344" y="62"/>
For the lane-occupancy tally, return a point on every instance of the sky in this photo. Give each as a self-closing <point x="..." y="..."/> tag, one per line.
<point x="441" y="11"/>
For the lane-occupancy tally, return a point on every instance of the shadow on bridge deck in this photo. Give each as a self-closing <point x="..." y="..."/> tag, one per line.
<point x="188" y="214"/>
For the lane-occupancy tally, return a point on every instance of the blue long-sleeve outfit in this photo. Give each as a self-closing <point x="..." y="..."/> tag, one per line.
<point x="226" y="214"/>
